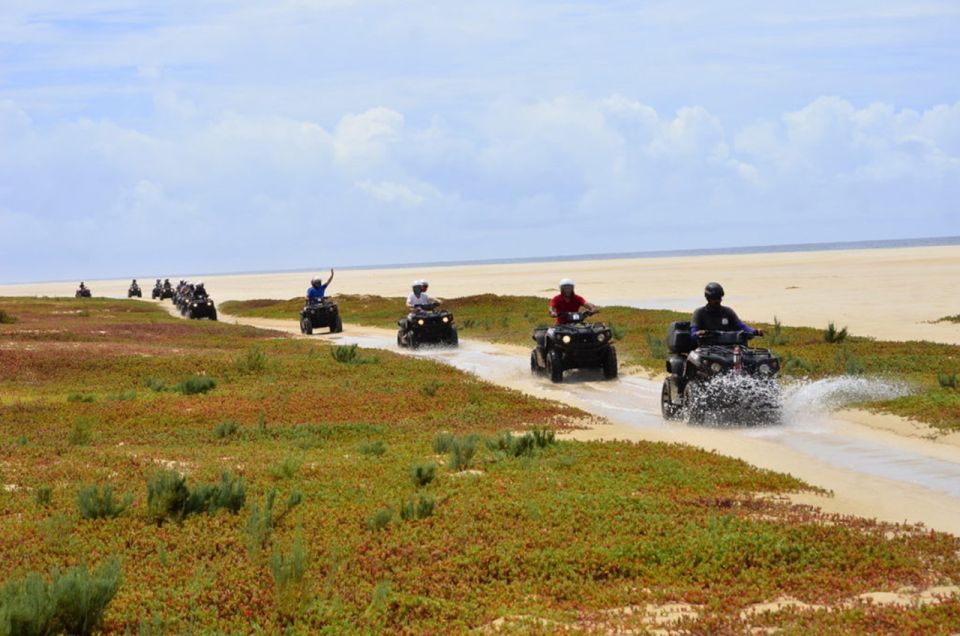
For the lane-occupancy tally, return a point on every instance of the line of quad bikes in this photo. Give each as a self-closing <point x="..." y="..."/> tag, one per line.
<point x="711" y="378"/>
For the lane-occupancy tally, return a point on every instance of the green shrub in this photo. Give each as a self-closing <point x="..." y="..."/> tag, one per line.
<point x="776" y="336"/>
<point x="94" y="504"/>
<point x="6" y="319"/>
<point x="44" y="496"/>
<point x="423" y="474"/>
<point x="462" y="452"/>
<point x="376" y="448"/>
<point x="519" y="445"/>
<point x="80" y="434"/>
<point x="380" y="519"/>
<point x="253" y="360"/>
<point x="658" y="347"/>
<point x="421" y="508"/>
<point x="442" y="443"/>
<point x="288" y="577"/>
<point x="345" y="354"/>
<point x="947" y="380"/>
<point x="81" y="397"/>
<point x="195" y="384"/>
<point x="155" y="385"/>
<point x="224" y="429"/>
<point x="832" y="335"/>
<point x="261" y="522"/>
<point x="430" y="388"/>
<point x="72" y="603"/>
<point x="794" y="364"/>
<point x="286" y="468"/>
<point x="617" y="331"/>
<point x="169" y="498"/>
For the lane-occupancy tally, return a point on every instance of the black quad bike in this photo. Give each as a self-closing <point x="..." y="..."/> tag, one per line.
<point x="427" y="326"/>
<point x="134" y="290"/>
<point x="167" y="292"/>
<point x="203" y="307"/>
<point x="574" y="344"/>
<point x="83" y="293"/>
<point x="157" y="290"/>
<point x="324" y="314"/>
<point x="716" y="376"/>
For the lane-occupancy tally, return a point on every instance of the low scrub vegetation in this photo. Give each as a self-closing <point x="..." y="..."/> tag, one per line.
<point x="563" y="532"/>
<point x="96" y="504"/>
<point x="832" y="334"/>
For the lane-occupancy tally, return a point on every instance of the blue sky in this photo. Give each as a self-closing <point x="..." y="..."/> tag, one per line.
<point x="142" y="137"/>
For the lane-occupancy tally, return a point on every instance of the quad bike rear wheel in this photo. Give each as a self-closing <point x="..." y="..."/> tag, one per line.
<point x="670" y="410"/>
<point x="610" y="364"/>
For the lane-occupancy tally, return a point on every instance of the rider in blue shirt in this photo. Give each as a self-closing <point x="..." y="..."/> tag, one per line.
<point x="317" y="290"/>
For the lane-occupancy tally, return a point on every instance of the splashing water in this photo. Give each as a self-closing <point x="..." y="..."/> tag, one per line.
<point x="816" y="397"/>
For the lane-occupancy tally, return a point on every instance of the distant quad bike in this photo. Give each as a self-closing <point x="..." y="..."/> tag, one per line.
<point x="167" y="292"/>
<point x="134" y="290"/>
<point x="157" y="290"/>
<point x="428" y="326"/>
<point x="196" y="308"/>
<point x="83" y="293"/>
<point x="717" y="377"/>
<point x="323" y="314"/>
<point x="575" y="344"/>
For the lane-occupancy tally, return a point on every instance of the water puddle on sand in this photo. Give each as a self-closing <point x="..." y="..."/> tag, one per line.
<point x="807" y="427"/>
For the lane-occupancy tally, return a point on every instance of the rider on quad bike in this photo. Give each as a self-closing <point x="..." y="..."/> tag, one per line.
<point x="425" y="324"/>
<point x="319" y="311"/>
<point x="83" y="291"/>
<point x="572" y="343"/>
<point x="134" y="290"/>
<point x="713" y="373"/>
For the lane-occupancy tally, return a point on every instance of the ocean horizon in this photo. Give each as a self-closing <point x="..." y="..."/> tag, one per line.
<point x="609" y="256"/>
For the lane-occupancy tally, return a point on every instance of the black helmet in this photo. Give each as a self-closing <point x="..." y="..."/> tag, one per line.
<point x="713" y="291"/>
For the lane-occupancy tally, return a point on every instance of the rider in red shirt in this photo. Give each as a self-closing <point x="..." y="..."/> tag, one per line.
<point x="568" y="302"/>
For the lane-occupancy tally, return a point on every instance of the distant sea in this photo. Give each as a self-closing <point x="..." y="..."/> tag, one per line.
<point x="751" y="249"/>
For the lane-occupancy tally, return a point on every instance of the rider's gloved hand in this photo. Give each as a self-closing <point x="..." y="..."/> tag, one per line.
<point x="758" y="332"/>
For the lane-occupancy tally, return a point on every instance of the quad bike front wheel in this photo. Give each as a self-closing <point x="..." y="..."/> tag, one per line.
<point x="454" y="339"/>
<point x="337" y="325"/>
<point x="306" y="327"/>
<point x="693" y="403"/>
<point x="555" y="366"/>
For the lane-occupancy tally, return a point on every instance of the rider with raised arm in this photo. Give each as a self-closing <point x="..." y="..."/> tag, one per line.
<point x="317" y="290"/>
<point x="568" y="302"/>
<point x="715" y="317"/>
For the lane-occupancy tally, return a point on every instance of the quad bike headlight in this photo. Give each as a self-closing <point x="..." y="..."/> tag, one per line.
<point x="601" y="337"/>
<point x="566" y="339"/>
<point x="764" y="369"/>
<point x="420" y="322"/>
<point x="715" y="367"/>
<point x="446" y="319"/>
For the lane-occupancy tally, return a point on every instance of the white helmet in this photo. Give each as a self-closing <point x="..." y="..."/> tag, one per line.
<point x="417" y="283"/>
<point x="566" y="281"/>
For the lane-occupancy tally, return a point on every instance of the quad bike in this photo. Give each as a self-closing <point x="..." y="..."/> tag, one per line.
<point x="324" y="314"/>
<point x="83" y="292"/>
<point x="716" y="376"/>
<point x="574" y="344"/>
<point x="203" y="307"/>
<point x="157" y="291"/>
<point x="134" y="290"/>
<point x="167" y="292"/>
<point x="427" y="325"/>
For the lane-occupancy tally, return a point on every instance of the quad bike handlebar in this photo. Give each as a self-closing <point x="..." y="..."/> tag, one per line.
<point x="575" y="316"/>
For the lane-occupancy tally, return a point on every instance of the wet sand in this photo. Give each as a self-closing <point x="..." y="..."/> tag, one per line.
<point x="889" y="293"/>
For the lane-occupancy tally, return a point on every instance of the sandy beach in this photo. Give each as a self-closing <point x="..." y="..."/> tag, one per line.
<point x="891" y="293"/>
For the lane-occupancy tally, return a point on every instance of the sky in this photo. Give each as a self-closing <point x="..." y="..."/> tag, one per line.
<point x="156" y="137"/>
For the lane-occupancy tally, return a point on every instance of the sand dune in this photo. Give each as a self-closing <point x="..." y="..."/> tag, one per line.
<point x="889" y="293"/>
